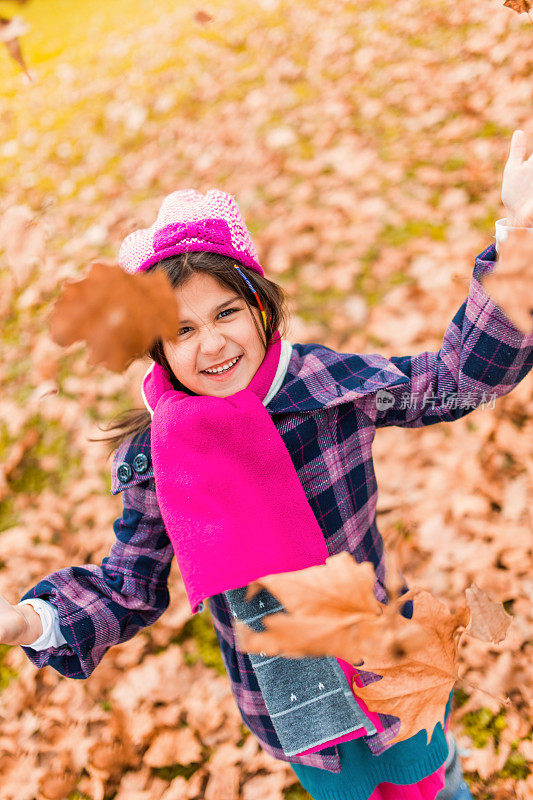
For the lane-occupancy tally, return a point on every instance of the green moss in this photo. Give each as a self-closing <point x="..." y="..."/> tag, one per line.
<point x="483" y="725"/>
<point x="399" y="277"/>
<point x="184" y="770"/>
<point x="485" y="223"/>
<point x="10" y="330"/>
<point x="296" y="792"/>
<point x="306" y="151"/>
<point x="8" y="516"/>
<point x="434" y="200"/>
<point x="515" y="767"/>
<point x="454" y="163"/>
<point x="245" y="733"/>
<point x="371" y="255"/>
<point x="30" y="477"/>
<point x="375" y="341"/>
<point x="398" y="235"/>
<point x="460" y="697"/>
<point x="492" y="129"/>
<point x="6" y="673"/>
<point x="402" y="528"/>
<point x="200" y="629"/>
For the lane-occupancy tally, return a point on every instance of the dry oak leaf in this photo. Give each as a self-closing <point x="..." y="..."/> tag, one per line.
<point x="223" y="784"/>
<point x="23" y="238"/>
<point x="60" y="779"/>
<point x="173" y="747"/>
<point x="416" y="689"/>
<point x="10" y="30"/>
<point x="488" y="620"/>
<point x="203" y="17"/>
<point x="519" y="5"/>
<point x="118" y="315"/>
<point x="510" y="283"/>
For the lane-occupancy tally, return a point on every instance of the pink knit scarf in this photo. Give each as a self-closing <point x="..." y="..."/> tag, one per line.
<point x="233" y="506"/>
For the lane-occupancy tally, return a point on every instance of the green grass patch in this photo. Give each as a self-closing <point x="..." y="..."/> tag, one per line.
<point x="398" y="235"/>
<point x="482" y="725"/>
<point x="454" y="163"/>
<point x="485" y="223"/>
<point x="515" y="767"/>
<point x="402" y="528"/>
<point x="184" y="770"/>
<point x="491" y="129"/>
<point x="199" y="628"/>
<point x="460" y="697"/>
<point x="245" y="733"/>
<point x="296" y="792"/>
<point x="29" y="476"/>
<point x="8" y="516"/>
<point x="7" y="674"/>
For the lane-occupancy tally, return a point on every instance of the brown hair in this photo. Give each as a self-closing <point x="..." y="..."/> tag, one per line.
<point x="179" y="269"/>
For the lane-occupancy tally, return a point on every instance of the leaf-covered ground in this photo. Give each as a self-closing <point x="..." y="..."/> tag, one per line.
<point x="365" y="143"/>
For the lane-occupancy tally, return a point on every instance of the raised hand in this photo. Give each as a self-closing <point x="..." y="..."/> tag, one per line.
<point x="18" y="624"/>
<point x="517" y="184"/>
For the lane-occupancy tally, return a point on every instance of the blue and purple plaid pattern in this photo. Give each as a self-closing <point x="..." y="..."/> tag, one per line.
<point x="326" y="413"/>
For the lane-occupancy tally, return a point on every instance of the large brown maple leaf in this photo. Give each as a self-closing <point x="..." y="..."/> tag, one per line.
<point x="416" y="688"/>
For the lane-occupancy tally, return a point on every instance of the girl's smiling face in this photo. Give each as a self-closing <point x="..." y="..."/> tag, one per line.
<point x="214" y="327"/>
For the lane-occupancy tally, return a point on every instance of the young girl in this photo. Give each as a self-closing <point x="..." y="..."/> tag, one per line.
<point x="253" y="457"/>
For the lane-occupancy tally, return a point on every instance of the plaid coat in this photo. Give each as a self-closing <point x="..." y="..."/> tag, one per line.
<point x="327" y="412"/>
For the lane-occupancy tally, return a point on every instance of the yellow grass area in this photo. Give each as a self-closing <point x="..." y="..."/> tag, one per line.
<point x="69" y="30"/>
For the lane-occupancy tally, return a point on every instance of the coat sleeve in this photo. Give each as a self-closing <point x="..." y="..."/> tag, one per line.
<point x="483" y="356"/>
<point x="99" y="606"/>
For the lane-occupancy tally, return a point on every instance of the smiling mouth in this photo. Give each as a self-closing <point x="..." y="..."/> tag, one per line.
<point x="223" y="372"/>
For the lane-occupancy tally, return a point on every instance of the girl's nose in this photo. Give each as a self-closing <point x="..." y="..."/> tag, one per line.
<point x="211" y="340"/>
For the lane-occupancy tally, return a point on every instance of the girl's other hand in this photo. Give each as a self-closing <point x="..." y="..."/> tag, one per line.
<point x="517" y="185"/>
<point x="18" y="624"/>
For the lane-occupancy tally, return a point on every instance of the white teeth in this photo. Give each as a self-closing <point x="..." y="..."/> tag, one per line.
<point x="223" y="368"/>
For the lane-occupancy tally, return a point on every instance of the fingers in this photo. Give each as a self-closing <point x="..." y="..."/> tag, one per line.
<point x="518" y="147"/>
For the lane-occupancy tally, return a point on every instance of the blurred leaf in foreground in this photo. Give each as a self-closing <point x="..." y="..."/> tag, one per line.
<point x="118" y="315"/>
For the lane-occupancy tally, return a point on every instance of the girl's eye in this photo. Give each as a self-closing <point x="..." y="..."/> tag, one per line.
<point x="229" y="310"/>
<point x="224" y="311"/>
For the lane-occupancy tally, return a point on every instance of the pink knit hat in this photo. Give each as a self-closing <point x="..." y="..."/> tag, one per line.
<point x="190" y="221"/>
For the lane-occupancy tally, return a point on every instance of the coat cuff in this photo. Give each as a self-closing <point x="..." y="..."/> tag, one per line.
<point x="502" y="231"/>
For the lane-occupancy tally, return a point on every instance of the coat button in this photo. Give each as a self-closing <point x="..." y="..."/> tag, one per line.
<point x="140" y="463"/>
<point x="124" y="472"/>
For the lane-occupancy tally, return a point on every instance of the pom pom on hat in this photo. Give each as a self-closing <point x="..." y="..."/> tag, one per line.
<point x="189" y="221"/>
